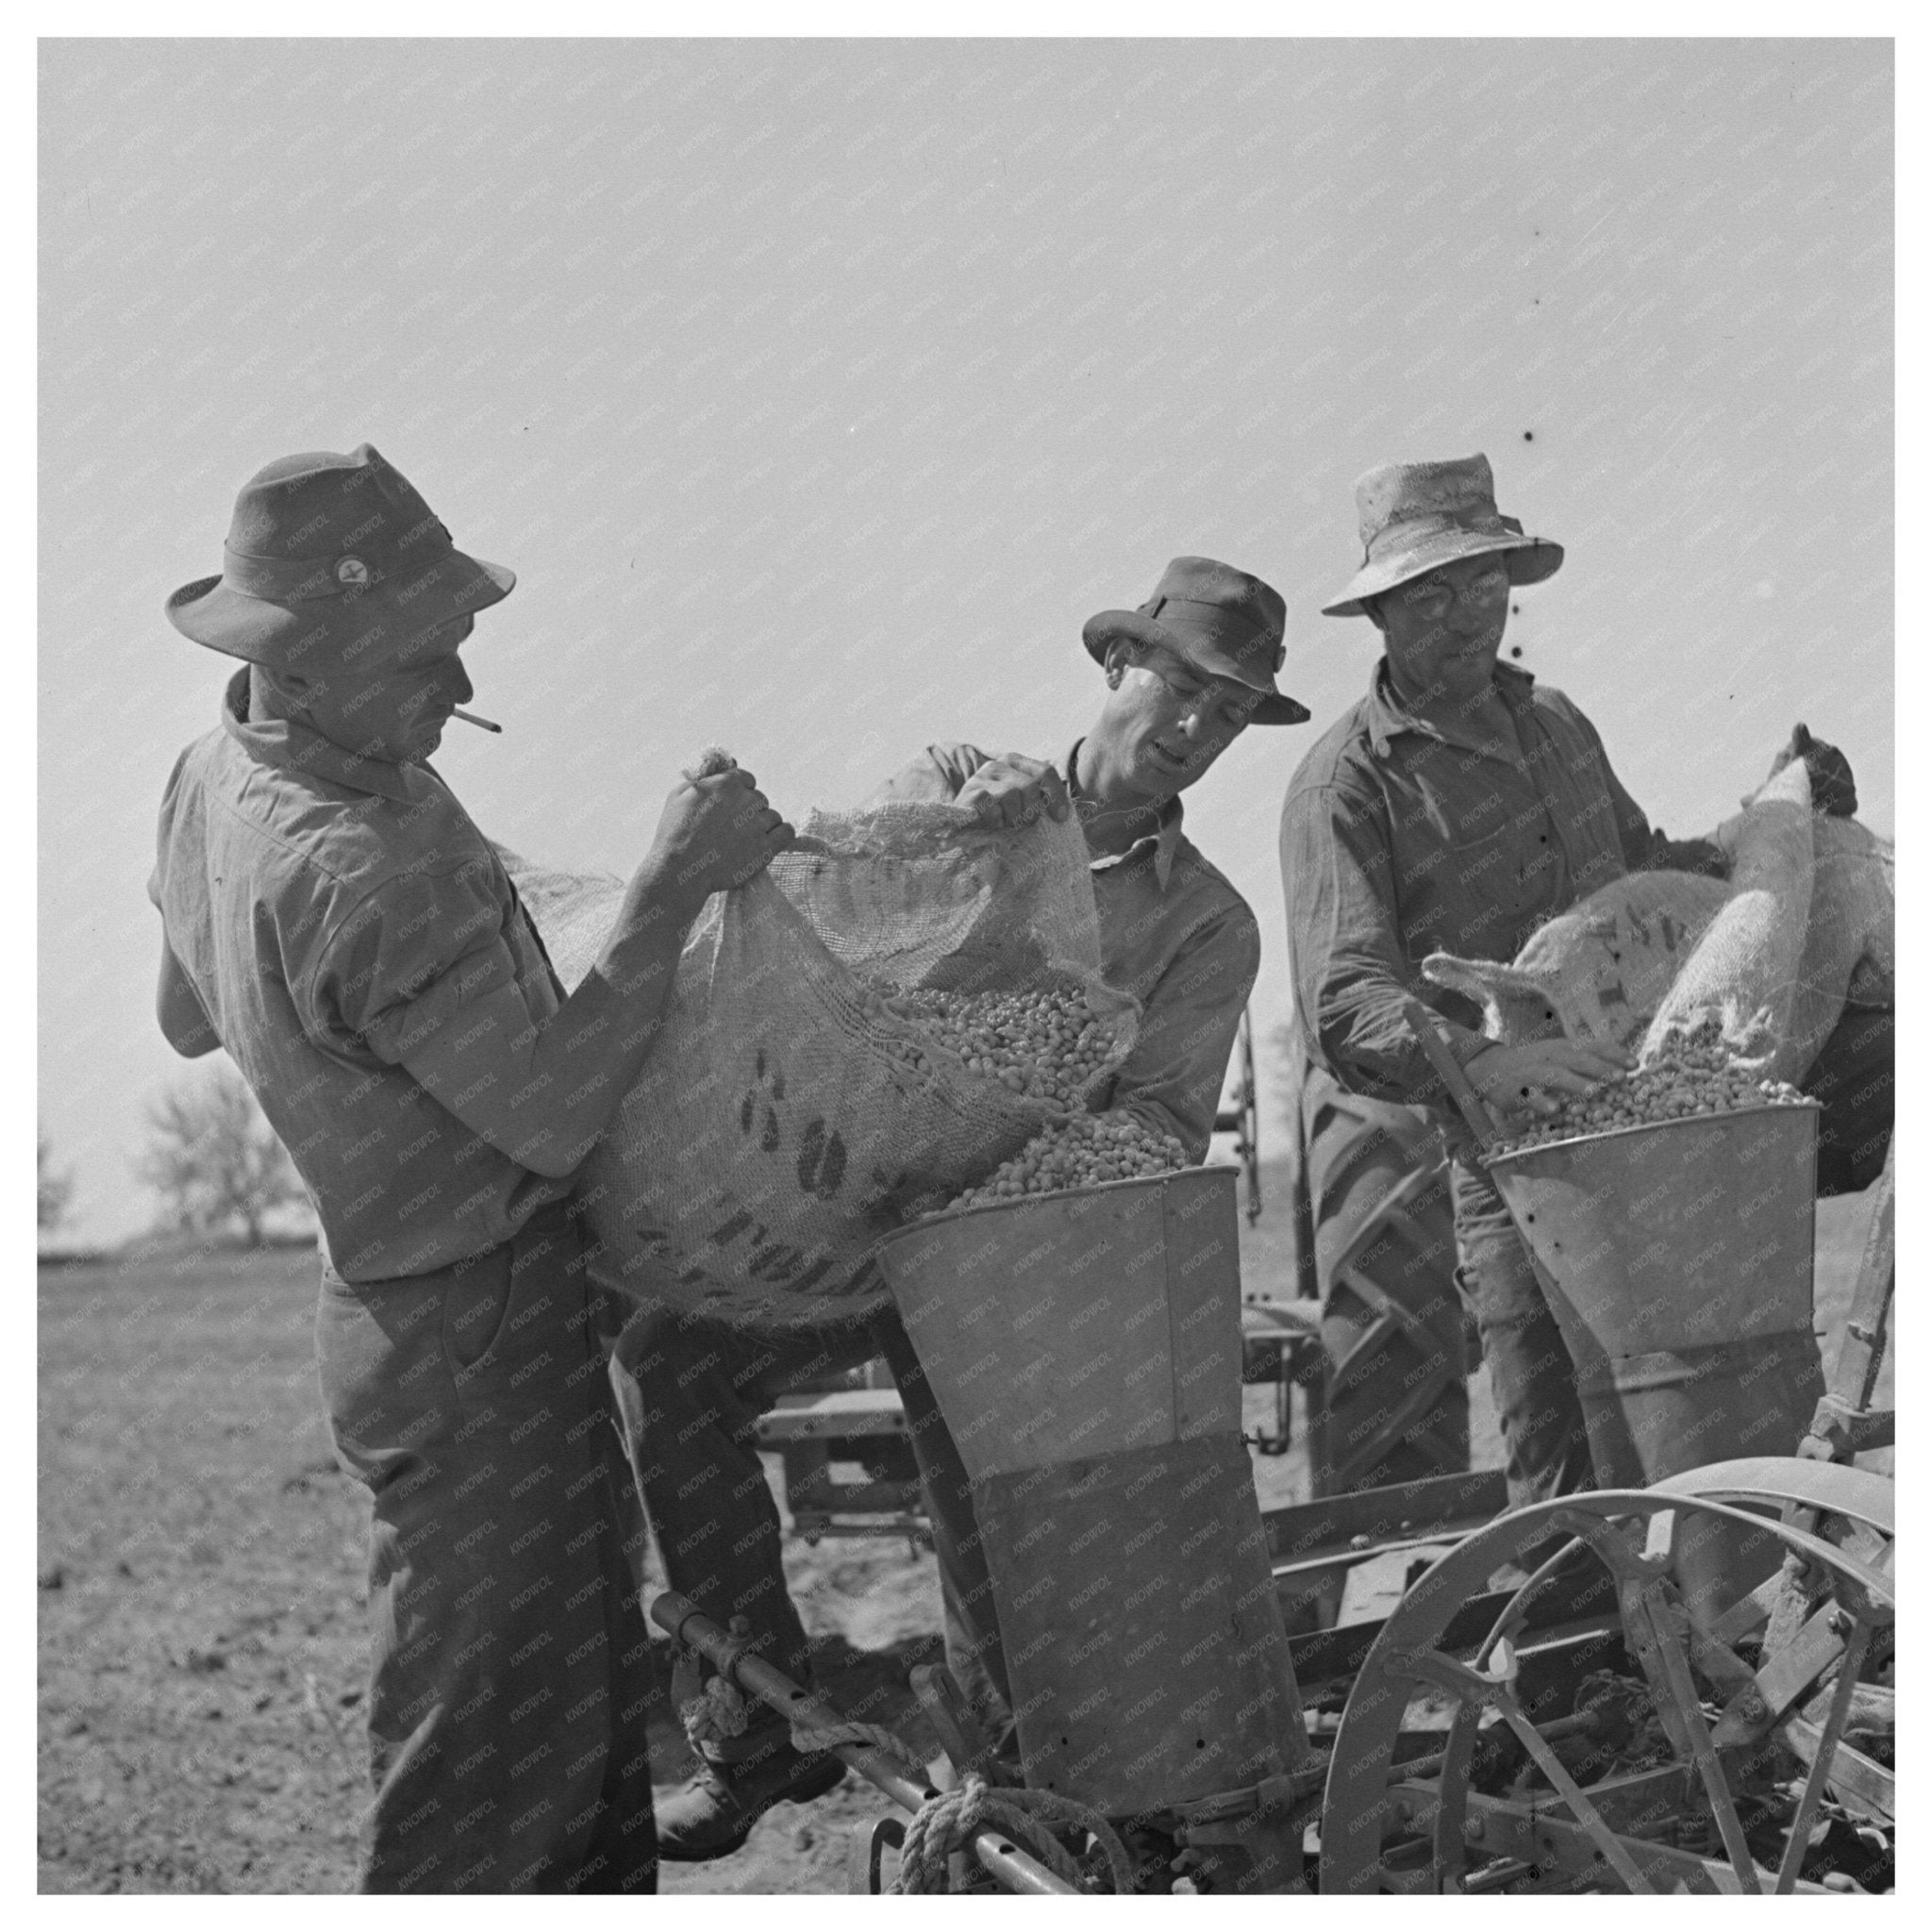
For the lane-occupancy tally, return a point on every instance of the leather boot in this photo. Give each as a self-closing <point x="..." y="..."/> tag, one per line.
<point x="710" y="1815"/>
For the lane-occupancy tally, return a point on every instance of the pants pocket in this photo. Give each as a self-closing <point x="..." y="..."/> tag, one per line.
<point x="519" y="1330"/>
<point x="380" y="1364"/>
<point x="475" y="1306"/>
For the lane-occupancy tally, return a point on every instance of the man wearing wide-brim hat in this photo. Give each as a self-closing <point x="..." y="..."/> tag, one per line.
<point x="1186" y="673"/>
<point x="1454" y="808"/>
<point x="334" y="919"/>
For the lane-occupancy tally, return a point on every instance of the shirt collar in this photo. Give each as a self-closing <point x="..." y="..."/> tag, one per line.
<point x="1165" y="838"/>
<point x="296" y="747"/>
<point x="1389" y="716"/>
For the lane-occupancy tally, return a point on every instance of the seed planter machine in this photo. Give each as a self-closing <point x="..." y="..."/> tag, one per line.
<point x="1681" y="1680"/>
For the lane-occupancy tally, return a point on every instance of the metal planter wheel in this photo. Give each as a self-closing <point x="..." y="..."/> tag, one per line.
<point x="1669" y="1737"/>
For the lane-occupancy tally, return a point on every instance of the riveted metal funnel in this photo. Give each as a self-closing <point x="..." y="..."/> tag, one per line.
<point x="1677" y="1260"/>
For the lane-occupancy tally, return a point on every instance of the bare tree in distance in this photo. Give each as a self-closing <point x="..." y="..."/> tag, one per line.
<point x="55" y="1189"/>
<point x="215" y="1162"/>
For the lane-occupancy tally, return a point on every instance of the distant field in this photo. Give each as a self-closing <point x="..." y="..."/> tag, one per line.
<point x="201" y="1569"/>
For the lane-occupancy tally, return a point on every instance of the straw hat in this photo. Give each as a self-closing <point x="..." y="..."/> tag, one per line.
<point x="1416" y="517"/>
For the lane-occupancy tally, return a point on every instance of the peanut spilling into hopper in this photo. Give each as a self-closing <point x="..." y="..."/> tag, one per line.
<point x="1080" y="1153"/>
<point x="1691" y="1076"/>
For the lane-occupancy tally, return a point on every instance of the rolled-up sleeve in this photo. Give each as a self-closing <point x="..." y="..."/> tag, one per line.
<point x="1350" y="974"/>
<point x="423" y="975"/>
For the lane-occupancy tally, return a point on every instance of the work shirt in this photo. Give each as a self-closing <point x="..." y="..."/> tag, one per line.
<point x="1173" y="932"/>
<point x="1401" y="837"/>
<point x="363" y="958"/>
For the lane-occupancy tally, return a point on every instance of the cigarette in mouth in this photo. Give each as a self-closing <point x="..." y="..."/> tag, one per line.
<point x="471" y="718"/>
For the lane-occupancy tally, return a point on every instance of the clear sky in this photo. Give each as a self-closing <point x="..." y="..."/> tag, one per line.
<point x="819" y="391"/>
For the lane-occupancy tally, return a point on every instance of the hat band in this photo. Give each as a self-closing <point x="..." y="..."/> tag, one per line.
<point x="1213" y="621"/>
<point x="301" y="580"/>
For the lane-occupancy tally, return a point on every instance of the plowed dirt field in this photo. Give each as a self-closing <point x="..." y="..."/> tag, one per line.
<point x="201" y="1584"/>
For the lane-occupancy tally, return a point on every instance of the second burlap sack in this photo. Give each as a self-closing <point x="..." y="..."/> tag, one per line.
<point x="1602" y="970"/>
<point x="1746" y="967"/>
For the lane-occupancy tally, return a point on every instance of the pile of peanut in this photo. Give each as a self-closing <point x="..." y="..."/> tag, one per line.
<point x="1693" y="1075"/>
<point x="1047" y="1044"/>
<point x="1080" y="1153"/>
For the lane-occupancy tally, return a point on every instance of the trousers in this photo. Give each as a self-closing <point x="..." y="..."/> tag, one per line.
<point x="1545" y="1446"/>
<point x="689" y="1393"/>
<point x="1852" y="1081"/>
<point x="1546" y="1451"/>
<point x="510" y="1664"/>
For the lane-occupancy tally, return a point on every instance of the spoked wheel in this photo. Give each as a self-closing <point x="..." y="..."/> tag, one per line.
<point x="1669" y="1736"/>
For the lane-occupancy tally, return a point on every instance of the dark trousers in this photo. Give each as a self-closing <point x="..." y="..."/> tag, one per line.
<point x="1546" y="1451"/>
<point x="1545" y="1448"/>
<point x="690" y="1391"/>
<point x="509" y="1673"/>
<point x="1852" y="1081"/>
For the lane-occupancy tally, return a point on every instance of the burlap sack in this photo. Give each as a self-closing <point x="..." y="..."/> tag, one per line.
<point x="1851" y="946"/>
<point x="1602" y="970"/>
<point x="925" y="896"/>
<point x="1747" y="966"/>
<point x="1598" y="971"/>
<point x="776" y="1130"/>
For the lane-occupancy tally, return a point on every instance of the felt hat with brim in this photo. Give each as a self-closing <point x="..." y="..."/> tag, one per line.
<point x="1220" y="620"/>
<point x="327" y="551"/>
<point x="1416" y="517"/>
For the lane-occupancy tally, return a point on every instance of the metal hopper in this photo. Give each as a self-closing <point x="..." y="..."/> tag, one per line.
<point x="1085" y="1348"/>
<point x="1677" y="1260"/>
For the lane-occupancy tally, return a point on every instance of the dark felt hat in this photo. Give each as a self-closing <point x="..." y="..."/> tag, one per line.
<point x="327" y="549"/>
<point x="1413" y="518"/>
<point x="1221" y="620"/>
